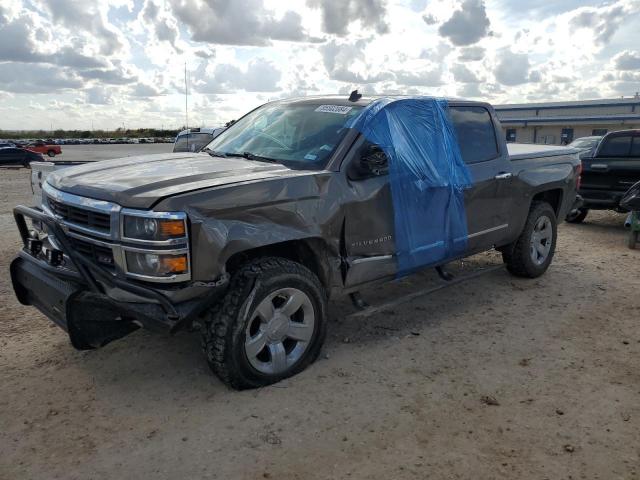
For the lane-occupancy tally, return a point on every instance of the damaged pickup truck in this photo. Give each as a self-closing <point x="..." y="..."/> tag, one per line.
<point x="298" y="201"/>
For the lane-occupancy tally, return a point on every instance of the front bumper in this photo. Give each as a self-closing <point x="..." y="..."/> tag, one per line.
<point x="80" y="299"/>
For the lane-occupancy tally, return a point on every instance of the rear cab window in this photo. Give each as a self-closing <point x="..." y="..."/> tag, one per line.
<point x="476" y="133"/>
<point x="618" y="146"/>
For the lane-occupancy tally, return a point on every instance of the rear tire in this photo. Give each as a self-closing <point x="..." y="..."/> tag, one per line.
<point x="270" y="325"/>
<point x="531" y="254"/>
<point x="633" y="239"/>
<point x="577" y="216"/>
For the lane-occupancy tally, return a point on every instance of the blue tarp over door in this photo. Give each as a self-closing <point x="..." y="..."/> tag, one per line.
<point x="427" y="177"/>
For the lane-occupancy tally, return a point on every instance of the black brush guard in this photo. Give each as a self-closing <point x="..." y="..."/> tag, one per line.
<point x="77" y="301"/>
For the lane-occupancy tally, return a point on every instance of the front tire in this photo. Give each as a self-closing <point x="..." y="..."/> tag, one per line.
<point x="51" y="153"/>
<point x="270" y="325"/>
<point x="633" y="239"/>
<point x="531" y="254"/>
<point x="577" y="216"/>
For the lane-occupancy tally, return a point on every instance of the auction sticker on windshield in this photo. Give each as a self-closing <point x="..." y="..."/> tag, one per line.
<point x="342" y="110"/>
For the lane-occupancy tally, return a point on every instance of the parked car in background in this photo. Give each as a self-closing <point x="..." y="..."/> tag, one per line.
<point x="7" y="144"/>
<point x="586" y="144"/>
<point x="18" y="156"/>
<point x="45" y="148"/>
<point x="608" y="171"/>
<point x="195" y="139"/>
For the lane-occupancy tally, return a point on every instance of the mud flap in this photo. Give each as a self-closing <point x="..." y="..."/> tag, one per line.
<point x="94" y="322"/>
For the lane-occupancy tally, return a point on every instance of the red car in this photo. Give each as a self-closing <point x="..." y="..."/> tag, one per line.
<point x="44" y="148"/>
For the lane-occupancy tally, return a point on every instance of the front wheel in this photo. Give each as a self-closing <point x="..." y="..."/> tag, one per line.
<point x="633" y="239"/>
<point x="51" y="153"/>
<point x="270" y="325"/>
<point x="531" y="254"/>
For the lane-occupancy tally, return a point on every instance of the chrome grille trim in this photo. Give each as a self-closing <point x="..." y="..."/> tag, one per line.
<point x="83" y="203"/>
<point x="112" y="239"/>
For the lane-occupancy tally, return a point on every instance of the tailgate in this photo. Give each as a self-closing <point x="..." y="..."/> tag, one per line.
<point x="614" y="174"/>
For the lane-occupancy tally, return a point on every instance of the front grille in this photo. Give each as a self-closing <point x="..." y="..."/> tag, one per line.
<point x="98" y="253"/>
<point x="80" y="216"/>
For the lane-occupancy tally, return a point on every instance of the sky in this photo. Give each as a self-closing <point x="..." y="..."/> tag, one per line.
<point x="82" y="64"/>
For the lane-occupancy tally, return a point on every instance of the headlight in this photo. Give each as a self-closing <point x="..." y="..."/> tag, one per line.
<point x="154" y="229"/>
<point x="157" y="264"/>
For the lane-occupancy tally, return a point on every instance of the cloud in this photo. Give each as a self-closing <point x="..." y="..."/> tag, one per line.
<point x="429" y="19"/>
<point x="99" y="96"/>
<point x="36" y="78"/>
<point x="346" y="62"/>
<point x="337" y="15"/>
<point x="467" y="25"/>
<point x="144" y="90"/>
<point x="463" y="74"/>
<point x="603" y="21"/>
<point x="161" y="22"/>
<point x="81" y="15"/>
<point x="113" y="76"/>
<point x="627" y="60"/>
<point x="425" y="78"/>
<point x="512" y="68"/>
<point x="471" y="54"/>
<point x="240" y="22"/>
<point x="16" y="40"/>
<point x="260" y="76"/>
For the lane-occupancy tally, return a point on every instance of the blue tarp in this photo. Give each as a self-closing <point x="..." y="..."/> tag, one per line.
<point x="427" y="177"/>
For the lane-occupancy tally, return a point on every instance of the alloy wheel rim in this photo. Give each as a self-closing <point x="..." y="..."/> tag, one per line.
<point x="279" y="331"/>
<point x="541" y="240"/>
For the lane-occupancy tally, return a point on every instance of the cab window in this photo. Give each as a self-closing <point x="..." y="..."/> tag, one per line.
<point x="618" y="146"/>
<point x="475" y="132"/>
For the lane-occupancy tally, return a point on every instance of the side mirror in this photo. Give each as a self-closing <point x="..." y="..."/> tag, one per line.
<point x="373" y="162"/>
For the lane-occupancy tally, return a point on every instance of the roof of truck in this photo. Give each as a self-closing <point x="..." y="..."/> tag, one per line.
<point x="343" y="100"/>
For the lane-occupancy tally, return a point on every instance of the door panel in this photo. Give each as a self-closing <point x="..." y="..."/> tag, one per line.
<point x="616" y="166"/>
<point x="488" y="204"/>
<point x="368" y="231"/>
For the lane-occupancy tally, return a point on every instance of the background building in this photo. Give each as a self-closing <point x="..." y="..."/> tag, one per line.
<point x="557" y="123"/>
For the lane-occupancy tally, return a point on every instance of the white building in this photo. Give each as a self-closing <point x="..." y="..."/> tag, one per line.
<point x="557" y="123"/>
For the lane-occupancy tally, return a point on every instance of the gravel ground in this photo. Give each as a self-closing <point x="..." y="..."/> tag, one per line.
<point x="495" y="378"/>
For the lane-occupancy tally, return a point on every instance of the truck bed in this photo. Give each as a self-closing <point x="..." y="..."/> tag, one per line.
<point x="523" y="151"/>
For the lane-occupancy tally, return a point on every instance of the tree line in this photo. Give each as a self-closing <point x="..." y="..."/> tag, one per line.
<point x="118" y="132"/>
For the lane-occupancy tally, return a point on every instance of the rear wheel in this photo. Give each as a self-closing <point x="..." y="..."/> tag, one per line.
<point x="577" y="215"/>
<point x="633" y="239"/>
<point x="270" y="325"/>
<point x="531" y="254"/>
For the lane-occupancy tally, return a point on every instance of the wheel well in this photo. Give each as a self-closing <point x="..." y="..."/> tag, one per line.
<point x="309" y="252"/>
<point x="552" y="197"/>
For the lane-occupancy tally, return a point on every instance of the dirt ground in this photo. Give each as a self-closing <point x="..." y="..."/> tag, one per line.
<point x="494" y="378"/>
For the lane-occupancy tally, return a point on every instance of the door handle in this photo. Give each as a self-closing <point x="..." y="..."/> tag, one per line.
<point x="503" y="176"/>
<point x="599" y="166"/>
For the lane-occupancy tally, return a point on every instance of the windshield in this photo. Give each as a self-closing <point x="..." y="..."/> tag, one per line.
<point x="584" y="142"/>
<point x="299" y="136"/>
<point x="192" y="142"/>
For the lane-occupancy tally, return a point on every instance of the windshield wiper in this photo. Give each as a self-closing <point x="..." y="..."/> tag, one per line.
<point x="215" y="153"/>
<point x="260" y="158"/>
<point x="247" y="155"/>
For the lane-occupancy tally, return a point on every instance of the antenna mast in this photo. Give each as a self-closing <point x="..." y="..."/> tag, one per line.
<point x="186" y="98"/>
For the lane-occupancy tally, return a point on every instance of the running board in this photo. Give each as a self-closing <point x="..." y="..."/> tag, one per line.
<point x="373" y="309"/>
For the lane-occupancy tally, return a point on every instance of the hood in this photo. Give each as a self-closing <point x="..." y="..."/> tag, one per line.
<point x="142" y="181"/>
